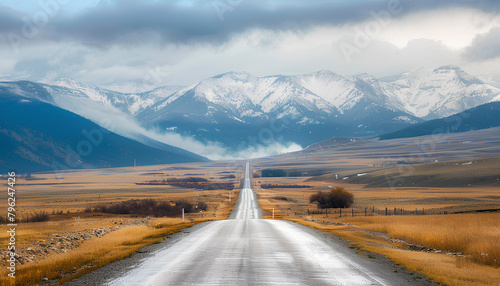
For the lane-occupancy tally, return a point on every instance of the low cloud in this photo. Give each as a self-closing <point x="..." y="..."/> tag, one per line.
<point x="215" y="150"/>
<point x="121" y="123"/>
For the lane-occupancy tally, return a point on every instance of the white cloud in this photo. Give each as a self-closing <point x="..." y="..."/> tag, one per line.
<point x="454" y="28"/>
<point x="215" y="151"/>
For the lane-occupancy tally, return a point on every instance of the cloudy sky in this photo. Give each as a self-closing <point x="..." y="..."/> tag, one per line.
<point x="179" y="42"/>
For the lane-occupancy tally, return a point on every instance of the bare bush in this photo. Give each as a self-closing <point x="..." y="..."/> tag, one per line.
<point x="336" y="198"/>
<point x="202" y="206"/>
<point x="37" y="217"/>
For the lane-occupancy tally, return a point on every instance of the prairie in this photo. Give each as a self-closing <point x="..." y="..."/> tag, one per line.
<point x="74" y="242"/>
<point x="454" y="243"/>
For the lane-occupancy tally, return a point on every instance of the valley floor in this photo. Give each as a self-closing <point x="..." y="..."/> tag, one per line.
<point x="448" y="235"/>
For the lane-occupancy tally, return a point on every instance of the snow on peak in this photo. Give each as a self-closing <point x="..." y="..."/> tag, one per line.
<point x="93" y="92"/>
<point x="440" y="92"/>
<point x="424" y="93"/>
<point x="455" y="72"/>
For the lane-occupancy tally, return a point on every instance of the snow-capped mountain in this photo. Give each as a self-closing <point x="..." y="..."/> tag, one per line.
<point x="129" y="102"/>
<point x="437" y="93"/>
<point x="97" y="94"/>
<point x="238" y="107"/>
<point x="233" y="106"/>
<point x="247" y="96"/>
<point x="422" y="93"/>
<point x="318" y="104"/>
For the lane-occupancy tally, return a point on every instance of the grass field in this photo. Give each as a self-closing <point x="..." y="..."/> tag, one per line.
<point x="474" y="235"/>
<point x="65" y="196"/>
<point x="470" y="239"/>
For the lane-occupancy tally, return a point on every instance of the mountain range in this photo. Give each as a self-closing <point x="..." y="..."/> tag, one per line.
<point x="36" y="135"/>
<point x="237" y="107"/>
<point x="234" y="106"/>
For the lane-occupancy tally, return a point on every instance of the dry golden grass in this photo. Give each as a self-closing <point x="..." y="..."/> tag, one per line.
<point x="408" y="198"/>
<point x="96" y="252"/>
<point x="28" y="233"/>
<point x="441" y="268"/>
<point x="92" y="254"/>
<point x="75" y="190"/>
<point x="81" y="189"/>
<point x="476" y="235"/>
<point x="444" y="269"/>
<point x="472" y="234"/>
<point x="78" y="190"/>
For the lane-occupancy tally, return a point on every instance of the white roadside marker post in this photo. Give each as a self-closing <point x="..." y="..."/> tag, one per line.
<point x="182" y="214"/>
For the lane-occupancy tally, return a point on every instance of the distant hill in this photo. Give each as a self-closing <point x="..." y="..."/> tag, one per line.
<point x="458" y="173"/>
<point x="336" y="142"/>
<point x="38" y="136"/>
<point x="477" y="118"/>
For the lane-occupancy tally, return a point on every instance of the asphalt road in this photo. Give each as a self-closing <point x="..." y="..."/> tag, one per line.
<point x="249" y="250"/>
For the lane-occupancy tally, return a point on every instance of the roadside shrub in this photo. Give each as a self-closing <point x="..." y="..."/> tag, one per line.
<point x="336" y="198"/>
<point x="149" y="207"/>
<point x="187" y="206"/>
<point x="37" y="217"/>
<point x="202" y="206"/>
<point x="187" y="180"/>
<point x="281" y="198"/>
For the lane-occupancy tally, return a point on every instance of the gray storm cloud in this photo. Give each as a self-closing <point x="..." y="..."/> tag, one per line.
<point x="215" y="21"/>
<point x="120" y="41"/>
<point x="485" y="46"/>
